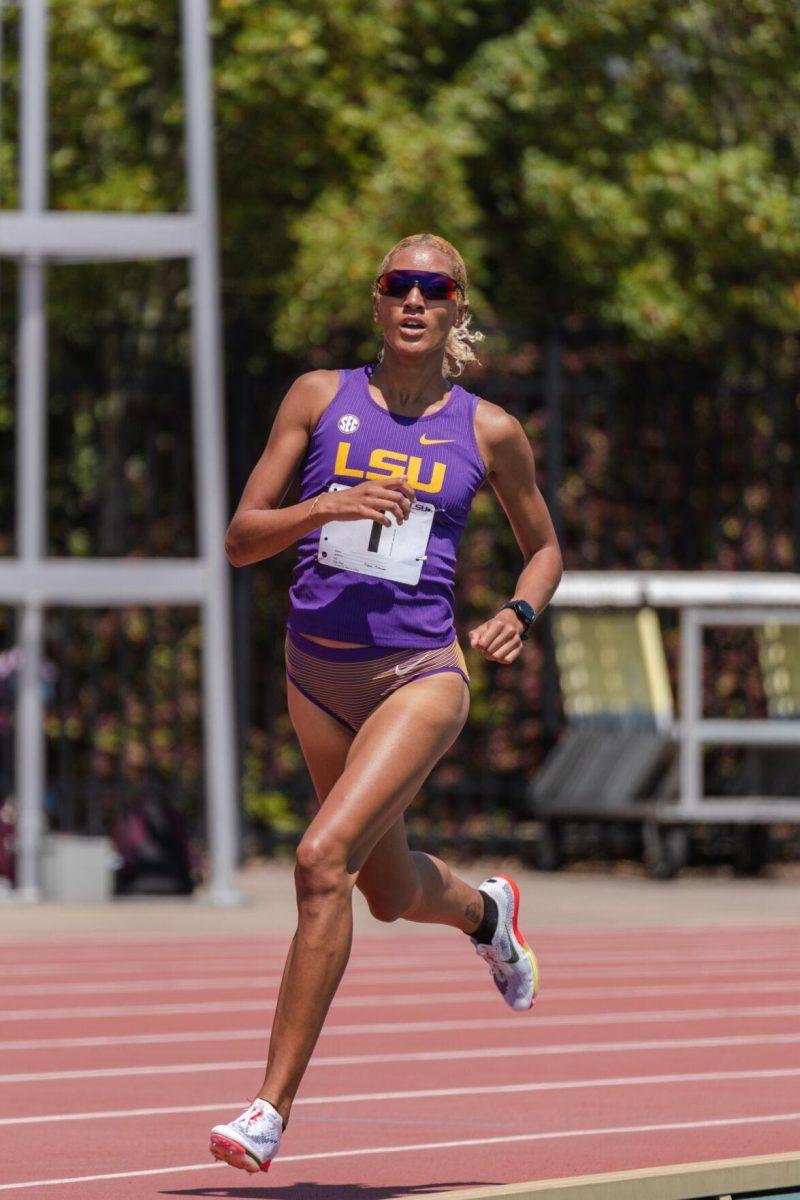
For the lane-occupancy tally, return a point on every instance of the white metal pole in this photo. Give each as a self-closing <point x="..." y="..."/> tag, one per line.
<point x="31" y="449"/>
<point x="691" y="704"/>
<point x="222" y="807"/>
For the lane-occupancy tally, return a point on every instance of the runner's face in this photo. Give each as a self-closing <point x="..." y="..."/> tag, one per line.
<point x="412" y="325"/>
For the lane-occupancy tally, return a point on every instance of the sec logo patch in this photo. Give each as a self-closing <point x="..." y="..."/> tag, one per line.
<point x="349" y="423"/>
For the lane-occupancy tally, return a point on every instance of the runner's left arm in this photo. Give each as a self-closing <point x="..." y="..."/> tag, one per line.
<point x="512" y="473"/>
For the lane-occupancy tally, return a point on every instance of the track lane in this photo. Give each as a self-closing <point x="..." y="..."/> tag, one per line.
<point x="556" y="1148"/>
<point x="506" y="1036"/>
<point x="508" y="1039"/>
<point x="762" y="1069"/>
<point x="359" y="1171"/>
<point x="764" y="1018"/>
<point x="743" y="1083"/>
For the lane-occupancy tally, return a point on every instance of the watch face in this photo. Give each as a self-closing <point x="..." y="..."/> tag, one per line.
<point x="525" y="611"/>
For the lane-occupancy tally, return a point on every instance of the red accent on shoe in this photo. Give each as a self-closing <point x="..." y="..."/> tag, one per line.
<point x="515" y="890"/>
<point x="226" y="1150"/>
<point x="517" y="932"/>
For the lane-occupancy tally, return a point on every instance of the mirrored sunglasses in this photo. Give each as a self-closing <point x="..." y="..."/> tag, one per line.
<point x="434" y="285"/>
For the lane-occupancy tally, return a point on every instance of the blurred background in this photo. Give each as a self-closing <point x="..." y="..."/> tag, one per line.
<point x="621" y="177"/>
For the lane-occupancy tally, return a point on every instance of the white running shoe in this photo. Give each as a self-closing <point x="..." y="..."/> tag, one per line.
<point x="511" y="961"/>
<point x="251" y="1140"/>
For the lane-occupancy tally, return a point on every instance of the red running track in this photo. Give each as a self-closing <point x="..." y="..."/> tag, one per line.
<point x="646" y="1049"/>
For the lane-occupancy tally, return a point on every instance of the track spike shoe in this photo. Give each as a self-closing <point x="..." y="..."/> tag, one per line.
<point x="251" y="1140"/>
<point x="511" y="961"/>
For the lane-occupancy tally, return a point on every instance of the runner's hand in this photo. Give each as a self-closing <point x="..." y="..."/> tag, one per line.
<point x="371" y="501"/>
<point x="498" y="639"/>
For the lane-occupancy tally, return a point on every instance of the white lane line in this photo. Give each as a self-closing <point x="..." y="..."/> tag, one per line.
<point x="114" y="1113"/>
<point x="131" y="941"/>
<point x="555" y="1135"/>
<point x="221" y="983"/>
<point x="172" y="970"/>
<point x="684" y="989"/>
<point x="393" y="999"/>
<point x="594" y="948"/>
<point x="441" y="974"/>
<point x="687" y="959"/>
<point x="648" y="1016"/>
<point x="505" y="1089"/>
<point x="155" y="941"/>
<point x="231" y="1006"/>
<point x="217" y="966"/>
<point x="431" y="1056"/>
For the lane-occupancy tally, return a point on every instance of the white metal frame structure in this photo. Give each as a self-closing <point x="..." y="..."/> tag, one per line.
<point x="32" y="582"/>
<point x="706" y="598"/>
<point x="697" y="731"/>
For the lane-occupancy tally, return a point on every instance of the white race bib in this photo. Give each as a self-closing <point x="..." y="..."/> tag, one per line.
<point x="394" y="551"/>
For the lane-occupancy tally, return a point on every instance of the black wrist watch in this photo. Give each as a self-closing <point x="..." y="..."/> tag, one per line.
<point x="526" y="614"/>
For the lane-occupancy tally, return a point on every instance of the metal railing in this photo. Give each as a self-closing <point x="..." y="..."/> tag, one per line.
<point x="695" y="731"/>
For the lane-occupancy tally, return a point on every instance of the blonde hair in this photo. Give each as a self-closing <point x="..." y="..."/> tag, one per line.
<point x="458" y="351"/>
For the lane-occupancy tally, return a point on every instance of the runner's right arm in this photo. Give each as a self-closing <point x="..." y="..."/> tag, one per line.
<point x="260" y="528"/>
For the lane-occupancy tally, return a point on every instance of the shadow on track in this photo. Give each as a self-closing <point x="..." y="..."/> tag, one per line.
<point x="323" y="1191"/>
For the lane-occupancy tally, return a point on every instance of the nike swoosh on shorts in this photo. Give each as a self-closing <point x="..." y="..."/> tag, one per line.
<point x="404" y="670"/>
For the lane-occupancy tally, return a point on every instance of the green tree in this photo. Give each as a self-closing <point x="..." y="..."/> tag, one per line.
<point x="631" y="162"/>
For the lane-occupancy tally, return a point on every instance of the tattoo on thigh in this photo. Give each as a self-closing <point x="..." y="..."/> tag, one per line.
<point x="472" y="912"/>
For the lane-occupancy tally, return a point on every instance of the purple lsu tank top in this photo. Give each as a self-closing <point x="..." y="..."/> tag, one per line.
<point x="440" y="454"/>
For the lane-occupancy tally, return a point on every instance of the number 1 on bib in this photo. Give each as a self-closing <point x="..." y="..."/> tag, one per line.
<point x="366" y="547"/>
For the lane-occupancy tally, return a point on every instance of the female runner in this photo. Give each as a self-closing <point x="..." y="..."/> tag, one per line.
<point x="377" y="684"/>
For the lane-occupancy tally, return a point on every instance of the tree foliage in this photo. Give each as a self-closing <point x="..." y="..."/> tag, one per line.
<point x="628" y="166"/>
<point x="631" y="162"/>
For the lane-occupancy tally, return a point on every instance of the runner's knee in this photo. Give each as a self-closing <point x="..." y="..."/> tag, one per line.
<point x="320" y="868"/>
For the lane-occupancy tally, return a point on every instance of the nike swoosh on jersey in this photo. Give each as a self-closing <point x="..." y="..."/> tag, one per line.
<point x="404" y="670"/>
<point x="426" y="441"/>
